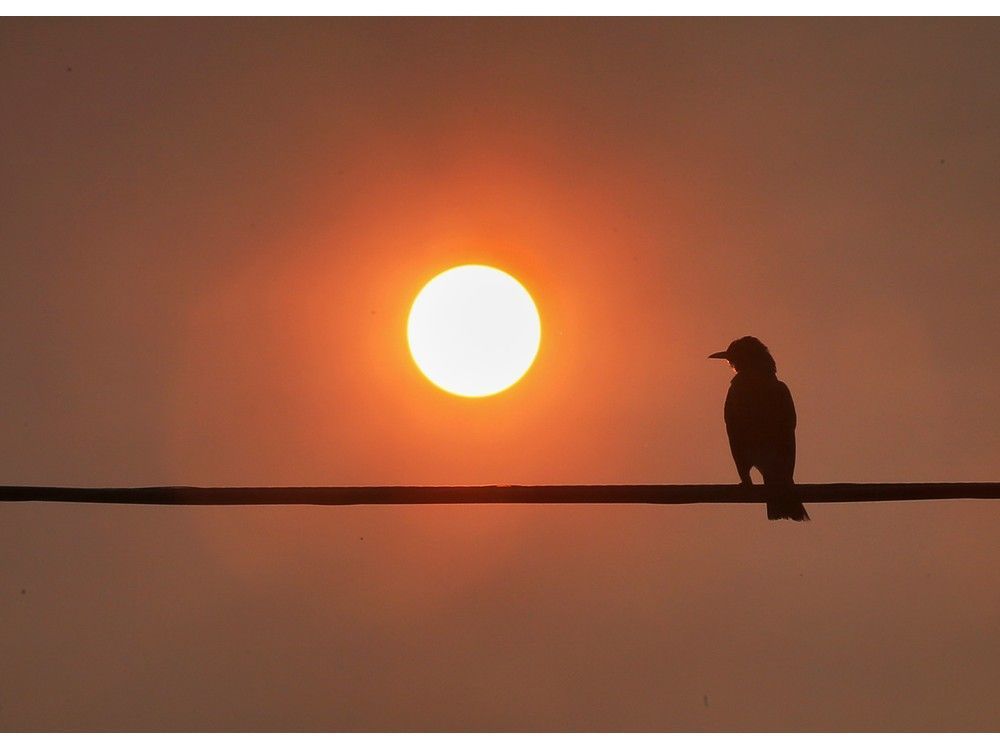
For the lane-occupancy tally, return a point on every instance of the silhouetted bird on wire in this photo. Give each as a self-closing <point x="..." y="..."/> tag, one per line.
<point x="760" y="421"/>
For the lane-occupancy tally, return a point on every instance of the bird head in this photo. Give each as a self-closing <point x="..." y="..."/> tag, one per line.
<point x="748" y="354"/>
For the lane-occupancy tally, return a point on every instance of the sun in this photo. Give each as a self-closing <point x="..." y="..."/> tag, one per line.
<point x="474" y="330"/>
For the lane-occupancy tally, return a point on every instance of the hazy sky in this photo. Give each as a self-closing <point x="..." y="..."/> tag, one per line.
<point x="210" y="235"/>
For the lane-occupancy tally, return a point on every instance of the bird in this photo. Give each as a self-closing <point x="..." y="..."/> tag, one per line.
<point x="760" y="422"/>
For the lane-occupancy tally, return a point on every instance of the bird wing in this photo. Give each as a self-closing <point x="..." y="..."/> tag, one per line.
<point x="786" y="407"/>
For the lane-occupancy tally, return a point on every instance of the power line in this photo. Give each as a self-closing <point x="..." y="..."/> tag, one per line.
<point x="658" y="494"/>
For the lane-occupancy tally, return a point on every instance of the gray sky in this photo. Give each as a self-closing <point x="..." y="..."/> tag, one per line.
<point x="211" y="234"/>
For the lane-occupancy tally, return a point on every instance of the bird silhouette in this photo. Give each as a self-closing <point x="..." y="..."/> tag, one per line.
<point x="760" y="422"/>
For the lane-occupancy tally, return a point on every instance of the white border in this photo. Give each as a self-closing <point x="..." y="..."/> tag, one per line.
<point x="498" y="741"/>
<point x="495" y="8"/>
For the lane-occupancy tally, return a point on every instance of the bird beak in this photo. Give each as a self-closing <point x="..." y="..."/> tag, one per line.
<point x="719" y="355"/>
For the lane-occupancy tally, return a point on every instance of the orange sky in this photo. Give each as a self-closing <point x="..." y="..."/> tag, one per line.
<point x="212" y="234"/>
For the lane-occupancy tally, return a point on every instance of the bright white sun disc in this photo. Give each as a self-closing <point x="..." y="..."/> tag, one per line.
<point x="474" y="330"/>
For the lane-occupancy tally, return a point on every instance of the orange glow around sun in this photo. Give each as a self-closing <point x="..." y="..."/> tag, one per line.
<point x="474" y="330"/>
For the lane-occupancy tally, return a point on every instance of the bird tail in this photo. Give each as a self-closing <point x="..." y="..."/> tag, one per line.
<point x="793" y="510"/>
<point x="782" y="504"/>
